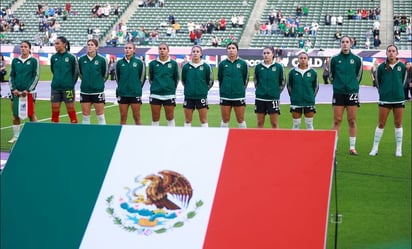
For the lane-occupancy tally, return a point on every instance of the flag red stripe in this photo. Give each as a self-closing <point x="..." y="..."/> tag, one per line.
<point x="273" y="190"/>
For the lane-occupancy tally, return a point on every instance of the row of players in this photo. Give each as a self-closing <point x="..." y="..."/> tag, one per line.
<point x="197" y="78"/>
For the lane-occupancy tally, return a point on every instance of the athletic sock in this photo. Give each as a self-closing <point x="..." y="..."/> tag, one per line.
<point x="187" y="124"/>
<point x="296" y="124"/>
<point x="86" y="119"/>
<point x="55" y="117"/>
<point x="242" y="124"/>
<point x="309" y="123"/>
<point x="16" y="130"/>
<point x="352" y="143"/>
<point x="399" y="137"/>
<point x="223" y="124"/>
<point x="204" y="125"/>
<point x="101" y="119"/>
<point x="155" y="123"/>
<point x="73" y="117"/>
<point x="377" y="139"/>
<point x="171" y="123"/>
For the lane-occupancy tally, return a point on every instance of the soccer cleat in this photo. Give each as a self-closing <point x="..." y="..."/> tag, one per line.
<point x="373" y="153"/>
<point x="12" y="140"/>
<point x="398" y="153"/>
<point x="353" y="152"/>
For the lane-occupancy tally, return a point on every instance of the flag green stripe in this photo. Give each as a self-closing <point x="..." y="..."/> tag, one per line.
<point x="51" y="182"/>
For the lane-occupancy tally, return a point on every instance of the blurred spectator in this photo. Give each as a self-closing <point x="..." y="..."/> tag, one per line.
<point x="234" y="21"/>
<point x="333" y="21"/>
<point x="214" y="41"/>
<point x="222" y="23"/>
<point x="328" y="19"/>
<point x="367" y="43"/>
<point x="90" y="32"/>
<point x="257" y="26"/>
<point x="376" y="42"/>
<point x="263" y="28"/>
<point x="339" y="20"/>
<point x="68" y="7"/>
<point x="171" y="18"/>
<point x="116" y="10"/>
<point x="337" y="35"/>
<point x="397" y="34"/>
<point x="299" y="10"/>
<point x="315" y="28"/>
<point x="112" y="68"/>
<point x="354" y="42"/>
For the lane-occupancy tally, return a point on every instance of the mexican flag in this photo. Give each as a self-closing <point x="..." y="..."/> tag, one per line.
<point x="161" y="187"/>
<point x="23" y="106"/>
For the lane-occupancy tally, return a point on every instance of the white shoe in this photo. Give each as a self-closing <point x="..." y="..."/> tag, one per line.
<point x="373" y="153"/>
<point x="398" y="153"/>
<point x="12" y="140"/>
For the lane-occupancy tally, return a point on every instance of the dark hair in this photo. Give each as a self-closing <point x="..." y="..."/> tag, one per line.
<point x="164" y="43"/>
<point x="303" y="52"/>
<point x="199" y="47"/>
<point x="234" y="44"/>
<point x="27" y="42"/>
<point x="271" y="49"/>
<point x="95" y="42"/>
<point x="387" y="65"/>
<point x="65" y="41"/>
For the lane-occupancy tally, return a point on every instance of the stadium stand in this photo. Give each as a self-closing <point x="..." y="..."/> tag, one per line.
<point x="316" y="12"/>
<point x="403" y="8"/>
<point x="74" y="27"/>
<point x="185" y="11"/>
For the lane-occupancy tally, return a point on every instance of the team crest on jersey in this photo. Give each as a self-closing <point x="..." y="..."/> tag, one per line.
<point x="399" y="68"/>
<point x="66" y="59"/>
<point x="29" y="62"/>
<point x="169" y="65"/>
<point x="134" y="64"/>
<point x="352" y="61"/>
<point x="96" y="63"/>
<point x="309" y="75"/>
<point x="274" y="69"/>
<point x="201" y="68"/>
<point x="153" y="204"/>
<point x="238" y="65"/>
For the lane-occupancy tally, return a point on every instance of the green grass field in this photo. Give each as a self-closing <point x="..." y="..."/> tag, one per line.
<point x="374" y="193"/>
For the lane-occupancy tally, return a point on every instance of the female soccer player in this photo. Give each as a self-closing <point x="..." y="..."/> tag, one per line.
<point x="93" y="69"/>
<point x="65" y="70"/>
<point x="163" y="78"/>
<point x="390" y="80"/>
<point x="269" y="82"/>
<point x="233" y="80"/>
<point x="346" y="74"/>
<point x="303" y="87"/>
<point x="24" y="77"/>
<point x="197" y="79"/>
<point x="130" y="78"/>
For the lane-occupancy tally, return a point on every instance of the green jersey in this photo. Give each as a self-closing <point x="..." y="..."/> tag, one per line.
<point x="233" y="78"/>
<point x="163" y="78"/>
<point x="391" y="81"/>
<point x="197" y="79"/>
<point x="93" y="73"/>
<point x="64" y="68"/>
<point x="130" y="77"/>
<point x="270" y="81"/>
<point x="345" y="73"/>
<point x="302" y="86"/>
<point x="24" y="74"/>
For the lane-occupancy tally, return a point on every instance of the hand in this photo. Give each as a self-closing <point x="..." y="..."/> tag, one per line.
<point x="24" y="93"/>
<point x="16" y="93"/>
